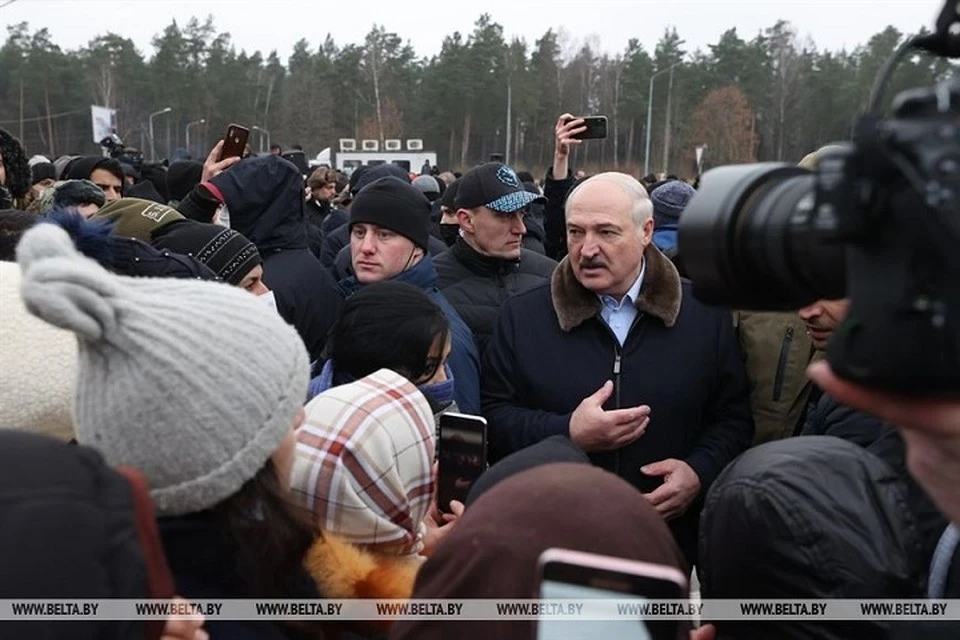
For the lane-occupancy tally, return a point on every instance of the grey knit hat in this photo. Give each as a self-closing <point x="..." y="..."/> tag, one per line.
<point x="669" y="201"/>
<point x="193" y="383"/>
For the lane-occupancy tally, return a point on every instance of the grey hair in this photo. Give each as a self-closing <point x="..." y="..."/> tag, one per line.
<point x="641" y="208"/>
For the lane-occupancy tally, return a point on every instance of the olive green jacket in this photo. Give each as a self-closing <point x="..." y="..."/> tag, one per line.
<point x="776" y="352"/>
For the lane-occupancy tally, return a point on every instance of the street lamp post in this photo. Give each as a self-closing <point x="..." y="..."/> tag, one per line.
<point x="646" y="154"/>
<point x="263" y="132"/>
<point x="153" y="146"/>
<point x="192" y="124"/>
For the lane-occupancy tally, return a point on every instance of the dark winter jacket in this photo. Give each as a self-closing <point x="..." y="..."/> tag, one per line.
<point x="203" y="558"/>
<point x="554" y="220"/>
<point x="830" y="418"/>
<point x="478" y="285"/>
<point x="343" y="264"/>
<point x="265" y="199"/>
<point x="73" y="528"/>
<point x="534" y="237"/>
<point x="810" y="518"/>
<point x="551" y="349"/>
<point x="464" y="360"/>
<point x="317" y="213"/>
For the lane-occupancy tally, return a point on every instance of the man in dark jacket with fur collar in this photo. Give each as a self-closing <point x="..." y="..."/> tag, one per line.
<point x="616" y="353"/>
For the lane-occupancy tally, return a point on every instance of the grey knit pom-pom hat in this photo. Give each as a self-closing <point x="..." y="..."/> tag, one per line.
<point x="193" y="383"/>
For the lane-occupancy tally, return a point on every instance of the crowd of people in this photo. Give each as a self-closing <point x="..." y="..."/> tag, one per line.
<point x="224" y="379"/>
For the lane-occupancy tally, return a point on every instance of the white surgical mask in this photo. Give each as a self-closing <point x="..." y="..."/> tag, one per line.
<point x="269" y="299"/>
<point x="223" y="216"/>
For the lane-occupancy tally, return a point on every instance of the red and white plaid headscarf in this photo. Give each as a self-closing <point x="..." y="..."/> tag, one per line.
<point x="363" y="463"/>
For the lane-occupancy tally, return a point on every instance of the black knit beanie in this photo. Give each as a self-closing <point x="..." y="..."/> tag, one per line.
<point x="230" y="255"/>
<point x="393" y="204"/>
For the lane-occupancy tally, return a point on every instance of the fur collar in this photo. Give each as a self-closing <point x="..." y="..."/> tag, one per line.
<point x="344" y="571"/>
<point x="660" y="294"/>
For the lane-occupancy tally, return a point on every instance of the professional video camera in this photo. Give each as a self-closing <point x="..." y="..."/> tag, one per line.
<point x="118" y="151"/>
<point x="878" y="222"/>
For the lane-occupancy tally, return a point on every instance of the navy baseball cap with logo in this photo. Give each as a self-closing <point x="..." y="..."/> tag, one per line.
<point x="496" y="187"/>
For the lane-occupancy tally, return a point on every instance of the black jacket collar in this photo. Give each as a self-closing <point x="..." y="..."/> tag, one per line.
<point x="480" y="264"/>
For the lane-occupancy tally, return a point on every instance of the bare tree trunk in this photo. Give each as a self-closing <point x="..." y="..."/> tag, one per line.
<point x="356" y="117"/>
<point x="21" y="111"/>
<point x="465" y="146"/>
<point x="453" y="141"/>
<point x="630" y="133"/>
<point x="783" y="101"/>
<point x="46" y="95"/>
<point x="43" y="137"/>
<point x="616" y="119"/>
<point x="516" y="142"/>
<point x="266" y="108"/>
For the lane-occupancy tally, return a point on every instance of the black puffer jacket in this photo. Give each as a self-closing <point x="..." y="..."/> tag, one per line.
<point x="73" y="528"/>
<point x="830" y="418"/>
<point x="265" y="199"/>
<point x="477" y="285"/>
<point x="809" y="518"/>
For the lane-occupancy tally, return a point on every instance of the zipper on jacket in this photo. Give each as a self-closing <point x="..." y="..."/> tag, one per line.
<point x="617" y="365"/>
<point x="782" y="364"/>
<point x="616" y="375"/>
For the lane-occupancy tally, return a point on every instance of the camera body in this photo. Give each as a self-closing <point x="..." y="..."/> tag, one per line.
<point x="118" y="151"/>
<point x="877" y="222"/>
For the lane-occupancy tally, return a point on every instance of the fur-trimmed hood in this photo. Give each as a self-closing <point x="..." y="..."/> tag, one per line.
<point x="660" y="294"/>
<point x="344" y="571"/>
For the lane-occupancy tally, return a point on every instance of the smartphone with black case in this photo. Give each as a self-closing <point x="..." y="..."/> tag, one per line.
<point x="596" y="128"/>
<point x="235" y="142"/>
<point x="463" y="456"/>
<point x="576" y="575"/>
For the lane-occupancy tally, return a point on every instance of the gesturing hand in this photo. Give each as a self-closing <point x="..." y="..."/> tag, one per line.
<point x="594" y="429"/>
<point x="680" y="487"/>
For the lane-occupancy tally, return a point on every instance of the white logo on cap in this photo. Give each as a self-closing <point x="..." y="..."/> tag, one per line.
<point x="508" y="177"/>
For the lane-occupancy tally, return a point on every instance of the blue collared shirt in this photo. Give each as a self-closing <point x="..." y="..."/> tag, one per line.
<point x="619" y="315"/>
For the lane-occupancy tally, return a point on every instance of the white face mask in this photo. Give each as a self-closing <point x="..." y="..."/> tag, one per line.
<point x="269" y="299"/>
<point x="223" y="216"/>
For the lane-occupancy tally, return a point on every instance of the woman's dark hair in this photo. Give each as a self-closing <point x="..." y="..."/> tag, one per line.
<point x="17" y="167"/>
<point x="272" y="535"/>
<point x="389" y="325"/>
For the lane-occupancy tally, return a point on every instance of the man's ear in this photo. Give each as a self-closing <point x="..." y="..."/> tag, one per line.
<point x="465" y="218"/>
<point x="647" y="231"/>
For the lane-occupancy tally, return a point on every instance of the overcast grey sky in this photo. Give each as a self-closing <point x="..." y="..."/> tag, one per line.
<point x="277" y="24"/>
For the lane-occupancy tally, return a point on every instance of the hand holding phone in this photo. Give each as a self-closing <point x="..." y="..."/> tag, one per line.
<point x="235" y="142"/>
<point x="566" y="131"/>
<point x="593" y="128"/>
<point x="463" y="456"/>
<point x="213" y="166"/>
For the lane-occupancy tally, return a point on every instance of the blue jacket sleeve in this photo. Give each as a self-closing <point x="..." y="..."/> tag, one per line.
<point x="512" y="425"/>
<point x="464" y="359"/>
<point x="729" y="428"/>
